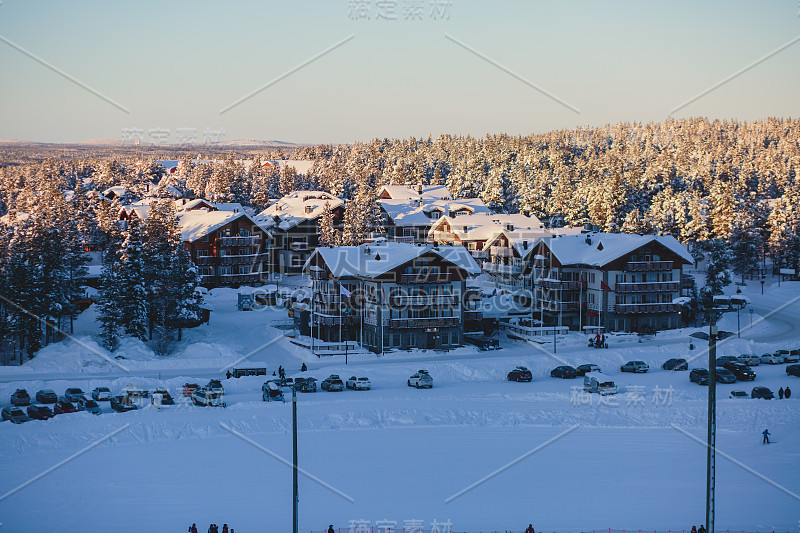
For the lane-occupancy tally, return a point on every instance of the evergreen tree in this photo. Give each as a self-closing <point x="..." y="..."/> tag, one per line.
<point x="327" y="233"/>
<point x="130" y="282"/>
<point x="108" y="312"/>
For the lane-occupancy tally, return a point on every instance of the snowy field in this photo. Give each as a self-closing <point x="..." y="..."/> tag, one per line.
<point x="484" y="453"/>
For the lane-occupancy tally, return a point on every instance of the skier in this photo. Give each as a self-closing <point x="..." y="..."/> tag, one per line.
<point x="780" y="393"/>
<point x="787" y="393"/>
<point x="766" y="434"/>
<point x="602" y="340"/>
<point x="530" y="529"/>
<point x="224" y="528"/>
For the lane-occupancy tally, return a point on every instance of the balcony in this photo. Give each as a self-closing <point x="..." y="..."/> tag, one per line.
<point x="471" y="315"/>
<point x="253" y="240"/>
<point x="636" y="309"/>
<point x="327" y="297"/>
<point x="334" y="320"/>
<point x="687" y="282"/>
<point x="438" y="277"/>
<point x="662" y="286"/>
<point x="298" y="246"/>
<point x="497" y="268"/>
<point x="423" y="300"/>
<point x="501" y="251"/>
<point x="319" y="275"/>
<point x="558" y="306"/>
<point x="648" y="266"/>
<point x="250" y="259"/>
<point x="473" y="295"/>
<point x="433" y="322"/>
<point x="558" y="285"/>
<point x="224" y="279"/>
<point x="479" y="254"/>
<point x="444" y="236"/>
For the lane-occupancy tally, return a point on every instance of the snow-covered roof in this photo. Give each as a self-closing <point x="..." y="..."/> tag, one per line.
<point x="141" y="210"/>
<point x="599" y="249"/>
<point x="198" y="223"/>
<point x="14" y="216"/>
<point x="372" y="260"/>
<point x="405" y="212"/>
<point x="117" y="190"/>
<point x="486" y="226"/>
<point x="297" y="207"/>
<point x="412" y="192"/>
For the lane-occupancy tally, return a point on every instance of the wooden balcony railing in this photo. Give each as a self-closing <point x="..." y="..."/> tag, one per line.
<point x="635" y="309"/>
<point x="664" y="286"/>
<point x="648" y="266"/>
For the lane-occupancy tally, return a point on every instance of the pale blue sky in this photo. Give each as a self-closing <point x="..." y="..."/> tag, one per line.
<point x="177" y="64"/>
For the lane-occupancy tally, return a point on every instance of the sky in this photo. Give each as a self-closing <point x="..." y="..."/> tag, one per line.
<point x="339" y="71"/>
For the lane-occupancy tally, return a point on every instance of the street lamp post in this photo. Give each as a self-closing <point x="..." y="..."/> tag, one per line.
<point x="712" y="425"/>
<point x="294" y="457"/>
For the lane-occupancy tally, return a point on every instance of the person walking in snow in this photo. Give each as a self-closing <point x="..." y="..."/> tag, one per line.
<point x="701" y="529"/>
<point x="780" y="393"/>
<point x="787" y="393"/>
<point x="193" y="529"/>
<point x="530" y="529"/>
<point x="766" y="434"/>
<point x="303" y="368"/>
<point x="330" y="529"/>
<point x="694" y="529"/>
<point x="224" y="528"/>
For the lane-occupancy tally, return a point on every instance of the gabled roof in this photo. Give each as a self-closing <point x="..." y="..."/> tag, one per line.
<point x="485" y="226"/>
<point x="297" y="207"/>
<point x="412" y="192"/>
<point x="198" y="223"/>
<point x="372" y="260"/>
<point x="599" y="249"/>
<point x="419" y="212"/>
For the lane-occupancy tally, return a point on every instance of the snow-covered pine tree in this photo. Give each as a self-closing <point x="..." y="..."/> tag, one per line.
<point x="130" y="281"/>
<point x="184" y="300"/>
<point x="327" y="233"/>
<point x="108" y="311"/>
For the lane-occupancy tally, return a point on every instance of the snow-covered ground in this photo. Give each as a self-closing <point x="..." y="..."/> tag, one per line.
<point x="537" y="452"/>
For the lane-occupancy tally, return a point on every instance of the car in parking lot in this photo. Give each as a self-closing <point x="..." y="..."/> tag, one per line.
<point x="582" y="370"/>
<point x="738" y="394"/>
<point x="771" y="359"/>
<point x="793" y="370"/>
<point x="520" y="374"/>
<point x="14" y="414"/>
<point x="215" y="385"/>
<point x="675" y="364"/>
<point x="564" y="372"/>
<point x="635" y="366"/>
<point x="46" y="396"/>
<point x="355" y="383"/>
<point x="63" y="407"/>
<point x="421" y="379"/>
<point x="72" y="394"/>
<point x="762" y="392"/>
<point x="306" y="384"/>
<point x="101" y="394"/>
<point x="89" y="405"/>
<point x="271" y="391"/>
<point x="742" y="372"/>
<point x="40" y="412"/>
<point x="749" y="359"/>
<point x="791" y="357"/>
<point x="207" y="398"/>
<point x="332" y="383"/>
<point x="20" y="398"/>
<point x="166" y="397"/>
<point x="723" y="375"/>
<point x="726" y="359"/>
<point x="699" y="376"/>
<point x="123" y="403"/>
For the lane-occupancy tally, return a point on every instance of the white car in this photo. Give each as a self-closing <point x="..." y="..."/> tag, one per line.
<point x="421" y="380"/>
<point x="749" y="359"/>
<point x="771" y="359"/>
<point x="358" y="383"/>
<point x="101" y="394"/>
<point x="207" y="398"/>
<point x="792" y="357"/>
<point x="738" y="394"/>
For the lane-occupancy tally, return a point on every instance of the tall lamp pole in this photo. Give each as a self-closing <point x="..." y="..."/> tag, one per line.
<point x="295" y="497"/>
<point x="712" y="424"/>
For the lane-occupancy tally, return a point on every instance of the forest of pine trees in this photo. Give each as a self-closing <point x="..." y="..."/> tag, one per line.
<point x="713" y="185"/>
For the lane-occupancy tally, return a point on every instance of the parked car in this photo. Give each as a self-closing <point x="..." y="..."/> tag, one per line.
<point x="89" y="405"/>
<point x="101" y="394"/>
<point x="635" y="366"/>
<point x="742" y="372"/>
<point x="306" y="384"/>
<point x="132" y="391"/>
<point x="791" y="357"/>
<point x="564" y="372"/>
<point x="40" y="412"/>
<point x="520" y="374"/>
<point x="771" y="359"/>
<point x="699" y="376"/>
<point x="749" y="359"/>
<point x="782" y="354"/>
<point x="271" y="392"/>
<point x="355" y="383"/>
<point x="72" y="394"/>
<point x="46" y="396"/>
<point x="738" y="394"/>
<point x="20" y="398"/>
<point x="723" y="375"/>
<point x="420" y="380"/>
<point x="215" y="385"/>
<point x="189" y="388"/>
<point x="332" y="383"/>
<point x="582" y="370"/>
<point x="14" y="414"/>
<point x="166" y="397"/>
<point x="123" y="403"/>
<point x="793" y="370"/>
<point x="207" y="398"/>
<point x="63" y="407"/>
<point x="599" y="383"/>
<point x="675" y="364"/>
<point x="726" y="359"/>
<point x="762" y="392"/>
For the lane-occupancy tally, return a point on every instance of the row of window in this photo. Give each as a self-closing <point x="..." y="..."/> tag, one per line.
<point x="228" y="270"/>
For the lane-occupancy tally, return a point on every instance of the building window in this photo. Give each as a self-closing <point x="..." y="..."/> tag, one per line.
<point x="202" y="253"/>
<point x="225" y="270"/>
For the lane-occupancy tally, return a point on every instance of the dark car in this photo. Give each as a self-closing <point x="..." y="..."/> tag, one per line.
<point x="306" y="384"/>
<point x="215" y="385"/>
<point x="675" y="364"/>
<point x="723" y="375"/>
<point x="793" y="370"/>
<point x="20" y="398"/>
<point x="699" y="376"/>
<point x="520" y="374"/>
<point x="727" y="359"/>
<point x="582" y="370"/>
<point x="40" y="412"/>
<point x="46" y="396"/>
<point x="89" y="405"/>
<point x="122" y="404"/>
<point x="564" y="372"/>
<point x="742" y="372"/>
<point x="15" y="414"/>
<point x="762" y="392"/>
<point x="635" y="367"/>
<point x="62" y="407"/>
<point x="166" y="398"/>
<point x="332" y="383"/>
<point x="73" y="394"/>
